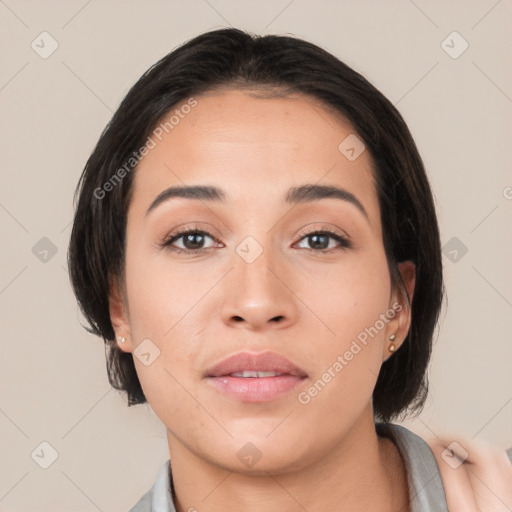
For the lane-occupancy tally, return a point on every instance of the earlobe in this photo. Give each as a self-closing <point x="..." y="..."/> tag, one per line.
<point x="118" y="316"/>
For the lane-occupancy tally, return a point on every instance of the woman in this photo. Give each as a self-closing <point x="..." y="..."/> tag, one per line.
<point x="256" y="241"/>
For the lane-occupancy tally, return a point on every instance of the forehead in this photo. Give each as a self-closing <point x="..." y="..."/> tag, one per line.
<point x="255" y="148"/>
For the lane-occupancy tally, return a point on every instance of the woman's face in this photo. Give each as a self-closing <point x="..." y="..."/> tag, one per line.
<point x="257" y="282"/>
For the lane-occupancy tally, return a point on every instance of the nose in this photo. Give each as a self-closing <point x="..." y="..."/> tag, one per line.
<point x="259" y="295"/>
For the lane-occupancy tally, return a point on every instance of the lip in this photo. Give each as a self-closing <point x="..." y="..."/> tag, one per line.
<point x="255" y="389"/>
<point x="263" y="361"/>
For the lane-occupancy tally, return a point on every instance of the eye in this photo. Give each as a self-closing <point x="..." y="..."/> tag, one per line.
<point x="320" y="240"/>
<point x="192" y="240"/>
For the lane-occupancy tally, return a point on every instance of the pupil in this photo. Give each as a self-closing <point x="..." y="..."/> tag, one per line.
<point x="189" y="238"/>
<point x="324" y="244"/>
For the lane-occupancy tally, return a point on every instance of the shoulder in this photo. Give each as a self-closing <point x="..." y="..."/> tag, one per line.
<point x="476" y="475"/>
<point x="144" y="503"/>
<point x="159" y="497"/>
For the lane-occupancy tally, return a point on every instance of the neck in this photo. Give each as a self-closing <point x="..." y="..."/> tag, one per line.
<point x="362" y="472"/>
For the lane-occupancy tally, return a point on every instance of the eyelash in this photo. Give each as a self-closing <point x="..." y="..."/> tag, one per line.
<point x="344" y="242"/>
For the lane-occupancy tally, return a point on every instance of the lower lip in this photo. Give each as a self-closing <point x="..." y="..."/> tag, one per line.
<point x="255" y="389"/>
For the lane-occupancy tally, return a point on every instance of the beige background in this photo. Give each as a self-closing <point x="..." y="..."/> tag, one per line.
<point x="53" y="383"/>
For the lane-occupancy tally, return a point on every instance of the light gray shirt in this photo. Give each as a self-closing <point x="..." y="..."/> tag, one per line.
<point x="426" y="492"/>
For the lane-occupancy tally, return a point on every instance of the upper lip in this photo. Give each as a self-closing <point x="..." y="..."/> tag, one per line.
<point x="264" y="362"/>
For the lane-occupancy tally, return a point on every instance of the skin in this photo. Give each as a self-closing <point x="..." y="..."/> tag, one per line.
<point x="198" y="309"/>
<point x="481" y="481"/>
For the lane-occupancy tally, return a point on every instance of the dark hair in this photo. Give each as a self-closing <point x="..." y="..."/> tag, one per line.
<point x="235" y="59"/>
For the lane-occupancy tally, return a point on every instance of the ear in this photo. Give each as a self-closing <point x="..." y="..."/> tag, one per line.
<point x="401" y="306"/>
<point x="119" y="316"/>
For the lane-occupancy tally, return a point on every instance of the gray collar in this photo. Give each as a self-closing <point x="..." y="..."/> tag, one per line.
<point x="426" y="491"/>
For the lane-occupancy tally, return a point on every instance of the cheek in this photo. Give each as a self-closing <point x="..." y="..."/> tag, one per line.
<point x="351" y="300"/>
<point x="348" y="296"/>
<point x="161" y="291"/>
<point x="161" y="308"/>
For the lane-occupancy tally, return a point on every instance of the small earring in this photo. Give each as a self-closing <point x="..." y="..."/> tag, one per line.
<point x="392" y="347"/>
<point x="121" y="339"/>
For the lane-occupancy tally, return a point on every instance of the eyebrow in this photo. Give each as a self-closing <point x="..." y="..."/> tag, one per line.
<point x="295" y="195"/>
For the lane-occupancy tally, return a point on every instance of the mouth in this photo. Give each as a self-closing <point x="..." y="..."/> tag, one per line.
<point x="249" y="377"/>
<point x="255" y="365"/>
<point x="251" y="374"/>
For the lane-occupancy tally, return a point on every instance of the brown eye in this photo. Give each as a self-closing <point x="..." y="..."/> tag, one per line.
<point x="190" y="240"/>
<point x="321" y="240"/>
